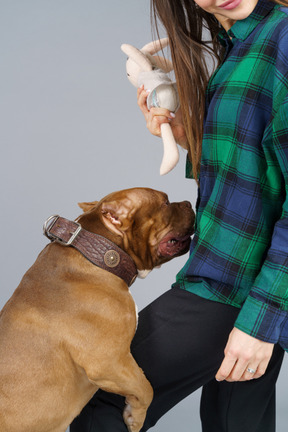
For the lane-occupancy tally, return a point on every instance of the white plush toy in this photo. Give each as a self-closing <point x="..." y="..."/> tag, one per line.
<point x="144" y="68"/>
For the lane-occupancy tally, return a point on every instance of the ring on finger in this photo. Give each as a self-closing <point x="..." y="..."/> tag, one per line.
<point x="250" y="370"/>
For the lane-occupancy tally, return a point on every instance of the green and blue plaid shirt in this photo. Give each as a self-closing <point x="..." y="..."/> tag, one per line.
<point x="239" y="254"/>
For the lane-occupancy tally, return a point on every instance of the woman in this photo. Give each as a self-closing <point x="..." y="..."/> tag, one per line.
<point x="232" y="293"/>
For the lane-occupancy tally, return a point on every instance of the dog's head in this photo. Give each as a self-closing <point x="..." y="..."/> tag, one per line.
<point x="142" y="222"/>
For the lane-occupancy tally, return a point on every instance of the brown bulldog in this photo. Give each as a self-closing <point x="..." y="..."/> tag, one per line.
<point x="67" y="329"/>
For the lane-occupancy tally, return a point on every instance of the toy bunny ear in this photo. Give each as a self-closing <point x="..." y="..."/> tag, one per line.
<point x="137" y="56"/>
<point x="155" y="46"/>
<point x="163" y="63"/>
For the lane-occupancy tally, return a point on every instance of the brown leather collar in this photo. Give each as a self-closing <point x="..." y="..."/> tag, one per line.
<point x="97" y="249"/>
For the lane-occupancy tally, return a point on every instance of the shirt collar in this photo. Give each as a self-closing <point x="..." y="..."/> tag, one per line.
<point x="242" y="28"/>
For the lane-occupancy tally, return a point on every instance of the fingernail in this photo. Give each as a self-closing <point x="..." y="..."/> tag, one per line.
<point x="172" y="115"/>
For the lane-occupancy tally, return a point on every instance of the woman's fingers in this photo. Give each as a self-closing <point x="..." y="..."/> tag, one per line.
<point x="142" y="100"/>
<point x="245" y="358"/>
<point x="155" y="117"/>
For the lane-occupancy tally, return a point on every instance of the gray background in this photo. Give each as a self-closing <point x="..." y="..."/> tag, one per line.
<point x="71" y="131"/>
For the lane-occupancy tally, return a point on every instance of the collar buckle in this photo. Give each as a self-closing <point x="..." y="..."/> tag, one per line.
<point x="48" y="225"/>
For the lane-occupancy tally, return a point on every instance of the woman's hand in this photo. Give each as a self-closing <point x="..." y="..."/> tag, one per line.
<point x="244" y="352"/>
<point x="156" y="116"/>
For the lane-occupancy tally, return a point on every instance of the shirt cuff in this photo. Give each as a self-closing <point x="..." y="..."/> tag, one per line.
<point x="261" y="320"/>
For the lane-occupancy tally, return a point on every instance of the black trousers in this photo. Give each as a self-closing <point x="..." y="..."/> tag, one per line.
<point x="179" y="345"/>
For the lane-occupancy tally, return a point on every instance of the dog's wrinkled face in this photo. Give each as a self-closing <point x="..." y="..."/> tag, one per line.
<point x="146" y="225"/>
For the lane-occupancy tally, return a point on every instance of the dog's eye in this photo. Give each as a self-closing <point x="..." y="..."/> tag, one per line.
<point x="166" y="203"/>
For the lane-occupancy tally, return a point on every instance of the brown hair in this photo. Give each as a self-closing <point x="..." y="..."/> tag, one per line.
<point x="184" y="22"/>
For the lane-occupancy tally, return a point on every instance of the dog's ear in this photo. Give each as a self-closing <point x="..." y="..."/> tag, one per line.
<point x="116" y="215"/>
<point x="86" y="206"/>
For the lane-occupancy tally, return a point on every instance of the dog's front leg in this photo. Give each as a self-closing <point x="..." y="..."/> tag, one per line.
<point x="127" y="379"/>
<point x="136" y="407"/>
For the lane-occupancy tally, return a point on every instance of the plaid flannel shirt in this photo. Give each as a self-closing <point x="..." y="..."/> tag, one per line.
<point x="239" y="253"/>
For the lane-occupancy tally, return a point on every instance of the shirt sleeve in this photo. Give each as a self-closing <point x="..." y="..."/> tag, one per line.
<point x="264" y="314"/>
<point x="188" y="168"/>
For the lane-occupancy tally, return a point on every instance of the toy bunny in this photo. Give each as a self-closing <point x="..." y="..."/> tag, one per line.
<point x="144" y="68"/>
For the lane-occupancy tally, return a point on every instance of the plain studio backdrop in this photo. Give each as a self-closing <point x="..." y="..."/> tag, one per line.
<point x="71" y="131"/>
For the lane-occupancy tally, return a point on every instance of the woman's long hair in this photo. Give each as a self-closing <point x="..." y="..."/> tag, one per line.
<point x="192" y="34"/>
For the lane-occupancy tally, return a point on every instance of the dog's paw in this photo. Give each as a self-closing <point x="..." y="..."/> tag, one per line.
<point x="131" y="423"/>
